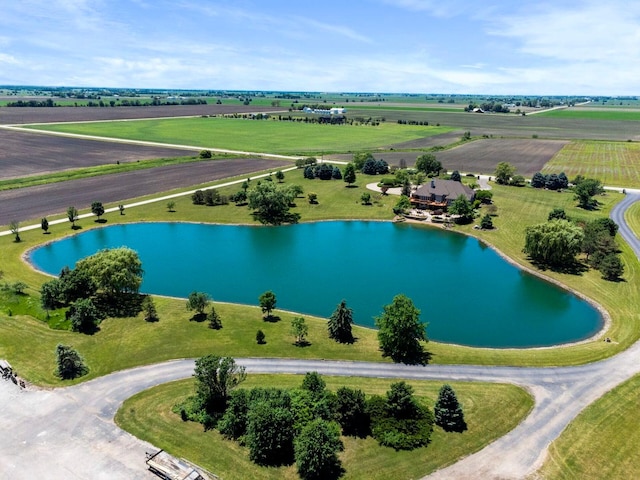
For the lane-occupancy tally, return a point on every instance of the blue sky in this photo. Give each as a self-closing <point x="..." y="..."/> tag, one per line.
<point x="422" y="46"/>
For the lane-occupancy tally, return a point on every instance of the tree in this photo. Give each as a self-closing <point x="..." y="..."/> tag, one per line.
<point x="538" y="180"/>
<point x="400" y="332"/>
<point x="504" y="172"/>
<point x="171" y="205"/>
<point x="585" y="191"/>
<point x="121" y="208"/>
<point x="239" y="198"/>
<point x="205" y="154"/>
<point x="349" y="174"/>
<point x="351" y="412"/>
<point x="316" y="451"/>
<point x="51" y="295"/>
<point x="14" y="226"/>
<point x="313" y="198"/>
<point x="486" y="223"/>
<point x="260" y="336"/>
<point x="149" y="310"/>
<point x="299" y="329"/>
<point x="116" y="271"/>
<point x="336" y="174"/>
<point x="215" y="378"/>
<point x="84" y="316"/>
<point x="97" y="209"/>
<point x="198" y="301"/>
<point x="557" y="214"/>
<point x="517" y="181"/>
<point x="484" y="196"/>
<point x="402" y="205"/>
<point x="365" y="198"/>
<point x="267" y="302"/>
<point x="339" y="323"/>
<point x="406" y="188"/>
<point x="280" y="176"/>
<point x="75" y="284"/>
<point x="69" y="363"/>
<point x="563" y="181"/>
<point x="448" y="412"/>
<point x="462" y="207"/>
<point x="72" y="215"/>
<point x="370" y="167"/>
<point x="314" y="383"/>
<point x="611" y="267"/>
<point x="455" y="176"/>
<point x="359" y="159"/>
<point x="270" y="204"/>
<point x="554" y="243"/>
<point x="270" y="433"/>
<point x="214" y="319"/>
<point x="44" y="224"/>
<point x="428" y="164"/>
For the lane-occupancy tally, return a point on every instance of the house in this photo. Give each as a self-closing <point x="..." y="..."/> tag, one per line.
<point x="439" y="194"/>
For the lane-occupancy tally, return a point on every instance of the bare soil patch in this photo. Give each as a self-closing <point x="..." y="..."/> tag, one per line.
<point x="24" y="154"/>
<point x="35" y="202"/>
<point x="22" y="115"/>
<point x="482" y="156"/>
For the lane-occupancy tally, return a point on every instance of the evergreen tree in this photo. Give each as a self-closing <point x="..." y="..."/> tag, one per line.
<point x="70" y="363"/>
<point x="339" y="324"/>
<point x="215" y="321"/>
<point x="448" y="412"/>
<point x="149" y="309"/>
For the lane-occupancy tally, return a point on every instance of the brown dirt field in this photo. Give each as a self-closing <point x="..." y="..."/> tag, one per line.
<point x="25" y="154"/>
<point x="21" y="115"/>
<point x="35" y="202"/>
<point x="482" y="156"/>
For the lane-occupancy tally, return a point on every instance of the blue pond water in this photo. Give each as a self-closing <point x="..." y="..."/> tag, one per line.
<point x="467" y="293"/>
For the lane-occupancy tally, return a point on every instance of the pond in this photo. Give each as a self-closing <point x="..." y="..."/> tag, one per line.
<point x="466" y="292"/>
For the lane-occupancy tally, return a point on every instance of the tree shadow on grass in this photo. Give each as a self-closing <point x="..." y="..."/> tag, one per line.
<point x="121" y="306"/>
<point x="302" y="344"/>
<point x="101" y="220"/>
<point x="573" y="268"/>
<point x="271" y="318"/>
<point x="76" y="227"/>
<point x="198" y="317"/>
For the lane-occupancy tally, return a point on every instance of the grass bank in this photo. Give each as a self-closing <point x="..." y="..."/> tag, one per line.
<point x="123" y="343"/>
<point x="490" y="412"/>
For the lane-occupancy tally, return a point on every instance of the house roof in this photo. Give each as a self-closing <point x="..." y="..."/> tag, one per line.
<point x="440" y="187"/>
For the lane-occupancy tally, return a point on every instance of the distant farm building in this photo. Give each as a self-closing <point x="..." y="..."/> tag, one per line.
<point x="477" y="110"/>
<point x="325" y="111"/>
<point x="439" y="194"/>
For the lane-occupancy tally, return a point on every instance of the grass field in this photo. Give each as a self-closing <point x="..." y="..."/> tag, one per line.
<point x="593" y="114"/>
<point x="490" y="411"/>
<point x="602" y="442"/>
<point x="613" y="163"/>
<point x="255" y="135"/>
<point x="633" y="218"/>
<point x="123" y="343"/>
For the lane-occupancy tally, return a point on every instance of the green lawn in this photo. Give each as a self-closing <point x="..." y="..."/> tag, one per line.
<point x="633" y="218"/>
<point x="587" y="113"/>
<point x="490" y="412"/>
<point x="613" y="163"/>
<point x="255" y="135"/>
<point x="602" y="442"/>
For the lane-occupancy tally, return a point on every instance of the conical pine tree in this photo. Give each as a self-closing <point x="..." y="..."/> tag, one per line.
<point x="339" y="324"/>
<point x="448" y="412"/>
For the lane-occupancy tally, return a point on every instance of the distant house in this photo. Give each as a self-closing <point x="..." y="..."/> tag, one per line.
<point x="439" y="194"/>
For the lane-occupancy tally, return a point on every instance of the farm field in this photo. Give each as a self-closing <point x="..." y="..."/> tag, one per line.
<point x="255" y="135"/>
<point x="603" y="113"/>
<point x="24" y="154"/>
<point x="43" y="200"/>
<point x="613" y="163"/>
<point x="21" y="115"/>
<point x="490" y="411"/>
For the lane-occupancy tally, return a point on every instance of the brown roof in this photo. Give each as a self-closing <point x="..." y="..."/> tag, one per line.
<point x="440" y="187"/>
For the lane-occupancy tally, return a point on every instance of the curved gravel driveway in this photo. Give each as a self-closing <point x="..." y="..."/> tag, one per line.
<point x="69" y="433"/>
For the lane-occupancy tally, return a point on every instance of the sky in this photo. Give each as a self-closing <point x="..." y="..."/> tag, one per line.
<point x="497" y="47"/>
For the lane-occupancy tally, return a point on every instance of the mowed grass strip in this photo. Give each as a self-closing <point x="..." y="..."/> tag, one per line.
<point x="491" y="410"/>
<point x="632" y="217"/>
<point x="602" y="442"/>
<point x="124" y="343"/>
<point x="613" y="163"/>
<point x="271" y="136"/>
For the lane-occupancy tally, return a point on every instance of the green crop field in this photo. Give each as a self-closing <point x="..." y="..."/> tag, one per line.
<point x="613" y="163"/>
<point x="490" y="411"/>
<point x="593" y="114"/>
<point x="255" y="135"/>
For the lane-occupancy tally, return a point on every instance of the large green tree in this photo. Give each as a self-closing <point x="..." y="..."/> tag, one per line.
<point x="339" y="323"/>
<point x="448" y="411"/>
<point x="316" y="451"/>
<point x="69" y="363"/>
<point x="97" y="209"/>
<point x="428" y="164"/>
<point x="84" y="316"/>
<point x="504" y="172"/>
<point x="554" y="243"/>
<point x="400" y="332"/>
<point x="349" y="174"/>
<point x="267" y="303"/>
<point x="115" y="271"/>
<point x="215" y="378"/>
<point x="270" y="204"/>
<point x="351" y="412"/>
<point x="585" y="191"/>
<point x="198" y="301"/>
<point x="462" y="207"/>
<point x="270" y="434"/>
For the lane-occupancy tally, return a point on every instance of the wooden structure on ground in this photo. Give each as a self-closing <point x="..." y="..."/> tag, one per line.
<point x="168" y="467"/>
